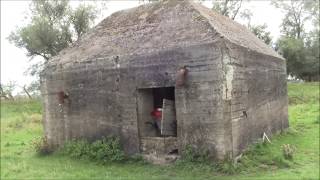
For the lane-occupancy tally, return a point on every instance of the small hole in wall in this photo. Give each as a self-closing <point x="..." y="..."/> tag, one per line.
<point x="245" y="113"/>
<point x="174" y="151"/>
<point x="116" y="59"/>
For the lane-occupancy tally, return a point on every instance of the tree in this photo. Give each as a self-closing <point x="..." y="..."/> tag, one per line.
<point x="232" y="9"/>
<point x="296" y="14"/>
<point x="302" y="58"/>
<point x="82" y="18"/>
<point x="229" y="8"/>
<point x="53" y="26"/>
<point x="312" y="67"/>
<point x="293" y="50"/>
<point x="298" y="47"/>
<point x="32" y="90"/>
<point x="6" y="90"/>
<point x="312" y="42"/>
<point x="49" y="30"/>
<point x="261" y="32"/>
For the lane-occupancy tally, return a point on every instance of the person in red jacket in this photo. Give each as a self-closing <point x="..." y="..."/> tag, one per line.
<point x="157" y="116"/>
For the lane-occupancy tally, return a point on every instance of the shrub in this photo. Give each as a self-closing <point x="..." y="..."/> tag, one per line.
<point x="104" y="150"/>
<point x="194" y="158"/>
<point x="76" y="149"/>
<point x="288" y="151"/>
<point x="107" y="149"/>
<point x="227" y="166"/>
<point x="41" y="146"/>
<point x="190" y="154"/>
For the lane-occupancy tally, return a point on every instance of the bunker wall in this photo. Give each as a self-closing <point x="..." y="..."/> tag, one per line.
<point x="259" y="96"/>
<point x="102" y="96"/>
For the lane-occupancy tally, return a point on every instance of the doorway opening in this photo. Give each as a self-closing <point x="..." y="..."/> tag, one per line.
<point x="156" y="112"/>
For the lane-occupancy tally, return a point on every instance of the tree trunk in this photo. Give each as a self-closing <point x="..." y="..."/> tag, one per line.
<point x="11" y="97"/>
<point x="26" y="91"/>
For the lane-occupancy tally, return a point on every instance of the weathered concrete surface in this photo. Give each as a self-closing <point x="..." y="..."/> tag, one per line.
<point x="259" y="96"/>
<point x="159" y="145"/>
<point x="235" y="88"/>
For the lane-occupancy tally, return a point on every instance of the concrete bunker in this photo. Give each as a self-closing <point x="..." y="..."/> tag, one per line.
<point x="113" y="77"/>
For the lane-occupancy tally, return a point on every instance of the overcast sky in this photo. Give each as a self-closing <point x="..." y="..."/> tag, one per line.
<point x="14" y="61"/>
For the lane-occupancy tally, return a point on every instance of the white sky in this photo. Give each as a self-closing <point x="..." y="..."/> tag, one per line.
<point x="14" y="61"/>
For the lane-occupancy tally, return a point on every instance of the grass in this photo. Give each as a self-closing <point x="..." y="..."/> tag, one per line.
<point x="21" y="124"/>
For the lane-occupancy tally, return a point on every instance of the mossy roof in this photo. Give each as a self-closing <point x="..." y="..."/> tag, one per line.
<point x="158" y="26"/>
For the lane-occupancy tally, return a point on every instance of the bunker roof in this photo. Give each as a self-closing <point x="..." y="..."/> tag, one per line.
<point x="158" y="26"/>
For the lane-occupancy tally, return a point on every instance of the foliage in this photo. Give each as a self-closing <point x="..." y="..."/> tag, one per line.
<point x="82" y="19"/>
<point x="293" y="50"/>
<point x="302" y="60"/>
<point x="227" y="166"/>
<point x="49" y="30"/>
<point x="297" y="13"/>
<point x="104" y="150"/>
<point x="261" y="32"/>
<point x="48" y="33"/>
<point x="295" y="17"/>
<point x="228" y="8"/>
<point x="41" y="146"/>
<point x="190" y="154"/>
<point x="6" y="90"/>
<point x="232" y="9"/>
<point x="33" y="88"/>
<point x="311" y="64"/>
<point x="298" y="47"/>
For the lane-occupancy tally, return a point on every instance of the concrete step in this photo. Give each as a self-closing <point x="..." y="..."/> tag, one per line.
<point x="160" y="159"/>
<point x="158" y="145"/>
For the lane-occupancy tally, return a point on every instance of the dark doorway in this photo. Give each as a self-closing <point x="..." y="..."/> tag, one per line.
<point x="162" y="93"/>
<point x="156" y="112"/>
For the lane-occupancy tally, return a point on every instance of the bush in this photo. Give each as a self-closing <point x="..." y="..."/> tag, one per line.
<point x="76" y="149"/>
<point x="107" y="149"/>
<point x="227" y="166"/>
<point x="288" y="151"/>
<point x="201" y="159"/>
<point x="190" y="154"/>
<point x="41" y="146"/>
<point x="104" y="150"/>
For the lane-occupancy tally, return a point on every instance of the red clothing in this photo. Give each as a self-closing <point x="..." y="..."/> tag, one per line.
<point x="157" y="113"/>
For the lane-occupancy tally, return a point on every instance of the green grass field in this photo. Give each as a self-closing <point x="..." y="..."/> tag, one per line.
<point x="21" y="124"/>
